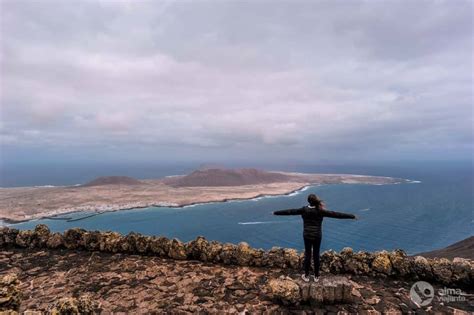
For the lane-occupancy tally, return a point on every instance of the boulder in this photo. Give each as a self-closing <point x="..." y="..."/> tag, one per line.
<point x="110" y="242"/>
<point x="359" y="263"/>
<point x="24" y="238"/>
<point x="91" y="240"/>
<point x="227" y="254"/>
<point x="55" y="240"/>
<point x="73" y="238"/>
<point x="10" y="296"/>
<point x="442" y="270"/>
<point x="421" y="268"/>
<point x="331" y="262"/>
<point x="69" y="305"/>
<point x="462" y="269"/>
<point x="8" y="236"/>
<point x="382" y="264"/>
<point x="134" y="243"/>
<point x="284" y="290"/>
<point x="159" y="246"/>
<point x="291" y="258"/>
<point x="40" y="236"/>
<point x="400" y="262"/>
<point x="3" y="230"/>
<point x="275" y="257"/>
<point x="243" y="254"/>
<point x="198" y="249"/>
<point x="177" y="250"/>
<point x="257" y="259"/>
<point x="214" y="252"/>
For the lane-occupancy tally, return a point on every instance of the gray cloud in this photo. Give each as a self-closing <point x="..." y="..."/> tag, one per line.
<point x="260" y="79"/>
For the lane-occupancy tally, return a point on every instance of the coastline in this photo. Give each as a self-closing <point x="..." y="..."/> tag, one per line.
<point x="19" y="205"/>
<point x="7" y="221"/>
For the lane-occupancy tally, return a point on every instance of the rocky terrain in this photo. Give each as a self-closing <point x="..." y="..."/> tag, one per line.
<point x="107" y="272"/>
<point x="118" y="192"/>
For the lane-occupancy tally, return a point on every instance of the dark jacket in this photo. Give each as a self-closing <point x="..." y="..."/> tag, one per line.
<point x="313" y="219"/>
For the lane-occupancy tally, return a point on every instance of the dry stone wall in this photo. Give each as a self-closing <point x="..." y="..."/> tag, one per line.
<point x="396" y="263"/>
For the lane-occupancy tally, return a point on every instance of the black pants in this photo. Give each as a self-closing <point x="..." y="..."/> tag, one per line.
<point x="311" y="244"/>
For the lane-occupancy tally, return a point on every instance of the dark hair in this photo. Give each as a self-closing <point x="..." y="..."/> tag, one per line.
<point x="315" y="201"/>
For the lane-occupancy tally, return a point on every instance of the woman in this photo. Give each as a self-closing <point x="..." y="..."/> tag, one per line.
<point x="312" y="219"/>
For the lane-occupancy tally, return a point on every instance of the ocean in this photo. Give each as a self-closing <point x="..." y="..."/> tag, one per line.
<point x="432" y="213"/>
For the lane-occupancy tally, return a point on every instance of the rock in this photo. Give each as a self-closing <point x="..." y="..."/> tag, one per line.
<point x="316" y="293"/>
<point x="421" y="267"/>
<point x="257" y="257"/>
<point x="73" y="238"/>
<point x="8" y="236"/>
<point x="276" y="257"/>
<point x="462" y="268"/>
<point x="3" y="230"/>
<point x="177" y="250"/>
<point x="381" y="263"/>
<point x="23" y="238"/>
<point x="442" y="270"/>
<point x="69" y="305"/>
<point x="91" y="240"/>
<point x="40" y="236"/>
<point x="243" y="254"/>
<point x="400" y="262"/>
<point x="227" y="254"/>
<point x="331" y="262"/>
<point x="110" y="242"/>
<point x="160" y="246"/>
<point x="214" y="251"/>
<point x="373" y="300"/>
<point x="305" y="291"/>
<point x="198" y="249"/>
<point x="285" y="290"/>
<point x="10" y="296"/>
<point x="134" y="243"/>
<point x="328" y="291"/>
<point x="291" y="258"/>
<point x="356" y="263"/>
<point x="55" y="240"/>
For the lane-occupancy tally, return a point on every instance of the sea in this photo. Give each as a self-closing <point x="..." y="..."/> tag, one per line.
<point x="434" y="210"/>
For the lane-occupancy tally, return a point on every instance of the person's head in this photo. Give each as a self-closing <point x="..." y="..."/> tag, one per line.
<point x="314" y="201"/>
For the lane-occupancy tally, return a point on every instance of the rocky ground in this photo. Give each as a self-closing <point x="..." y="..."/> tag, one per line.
<point x="135" y="284"/>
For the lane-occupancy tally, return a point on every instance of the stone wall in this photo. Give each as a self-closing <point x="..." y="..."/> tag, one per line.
<point x="459" y="272"/>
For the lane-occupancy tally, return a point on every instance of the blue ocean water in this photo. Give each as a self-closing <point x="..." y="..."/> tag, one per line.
<point x="416" y="217"/>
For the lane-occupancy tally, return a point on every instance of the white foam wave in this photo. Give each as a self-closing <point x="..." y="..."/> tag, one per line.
<point x="45" y="186"/>
<point x="260" y="222"/>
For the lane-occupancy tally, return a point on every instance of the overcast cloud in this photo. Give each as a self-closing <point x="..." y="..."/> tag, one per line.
<point x="222" y="79"/>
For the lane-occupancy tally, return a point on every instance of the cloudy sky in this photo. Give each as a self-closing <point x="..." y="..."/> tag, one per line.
<point x="224" y="80"/>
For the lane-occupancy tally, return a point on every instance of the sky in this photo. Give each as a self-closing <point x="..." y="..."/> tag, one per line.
<point x="218" y="81"/>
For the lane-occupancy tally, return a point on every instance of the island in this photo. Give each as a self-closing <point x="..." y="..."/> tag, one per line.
<point x="113" y="193"/>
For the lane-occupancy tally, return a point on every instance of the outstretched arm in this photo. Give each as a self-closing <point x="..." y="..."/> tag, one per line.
<point x="289" y="212"/>
<point x="337" y="215"/>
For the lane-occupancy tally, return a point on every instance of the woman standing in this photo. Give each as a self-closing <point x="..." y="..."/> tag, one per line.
<point x="313" y="215"/>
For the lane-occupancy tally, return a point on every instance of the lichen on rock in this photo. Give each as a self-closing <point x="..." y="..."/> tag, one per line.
<point x="10" y="296"/>
<point x="72" y="306"/>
